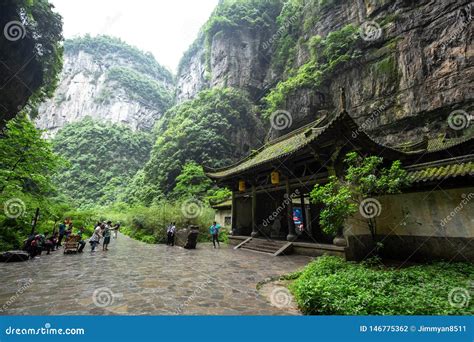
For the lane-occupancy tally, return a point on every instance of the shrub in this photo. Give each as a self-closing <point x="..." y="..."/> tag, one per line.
<point x="332" y="286"/>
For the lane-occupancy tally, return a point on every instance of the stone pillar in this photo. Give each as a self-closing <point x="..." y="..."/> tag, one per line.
<point x="233" y="215"/>
<point x="254" y="211"/>
<point x="291" y="224"/>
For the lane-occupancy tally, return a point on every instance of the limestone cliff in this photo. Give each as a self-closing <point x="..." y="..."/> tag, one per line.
<point x="108" y="80"/>
<point x="404" y="67"/>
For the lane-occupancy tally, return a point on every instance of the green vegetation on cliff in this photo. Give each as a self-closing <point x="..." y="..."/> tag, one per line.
<point x="103" y="158"/>
<point x="30" y="52"/>
<point x="103" y="47"/>
<point x="146" y="90"/>
<point x="201" y="130"/>
<point x="326" y="54"/>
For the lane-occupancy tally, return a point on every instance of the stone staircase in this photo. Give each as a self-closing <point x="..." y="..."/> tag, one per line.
<point x="272" y="247"/>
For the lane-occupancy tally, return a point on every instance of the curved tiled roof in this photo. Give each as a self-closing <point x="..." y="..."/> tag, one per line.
<point x="296" y="140"/>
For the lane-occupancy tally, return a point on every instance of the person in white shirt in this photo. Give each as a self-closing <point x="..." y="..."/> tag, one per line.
<point x="95" y="238"/>
<point x="171" y="230"/>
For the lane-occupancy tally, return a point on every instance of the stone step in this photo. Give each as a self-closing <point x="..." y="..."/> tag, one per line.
<point x="265" y="246"/>
<point x="260" y="249"/>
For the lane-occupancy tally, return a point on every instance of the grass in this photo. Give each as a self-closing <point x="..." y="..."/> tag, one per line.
<point x="332" y="286"/>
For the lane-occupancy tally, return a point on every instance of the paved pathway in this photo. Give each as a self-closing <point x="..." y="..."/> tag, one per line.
<point x="138" y="279"/>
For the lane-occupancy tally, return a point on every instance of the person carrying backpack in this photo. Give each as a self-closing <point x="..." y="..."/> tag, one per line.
<point x="214" y="230"/>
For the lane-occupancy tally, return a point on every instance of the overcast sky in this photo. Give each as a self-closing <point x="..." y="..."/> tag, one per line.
<point x="165" y="28"/>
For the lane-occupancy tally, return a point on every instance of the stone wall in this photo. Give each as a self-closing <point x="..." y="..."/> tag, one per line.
<point x="425" y="225"/>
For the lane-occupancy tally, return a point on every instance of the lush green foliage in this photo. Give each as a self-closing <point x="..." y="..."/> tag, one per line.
<point x="36" y="59"/>
<point x="327" y="54"/>
<point x="230" y="15"/>
<point x="103" y="156"/>
<point x="332" y="286"/>
<point x="27" y="164"/>
<point x="148" y="224"/>
<point x="146" y="90"/>
<point x="199" y="130"/>
<point x="338" y="205"/>
<point x="191" y="182"/>
<point x="365" y="177"/>
<point x="102" y="47"/>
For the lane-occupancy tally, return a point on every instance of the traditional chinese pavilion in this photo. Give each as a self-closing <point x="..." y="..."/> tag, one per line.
<point x="271" y="211"/>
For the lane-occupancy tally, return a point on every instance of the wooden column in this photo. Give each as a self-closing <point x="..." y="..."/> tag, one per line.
<point x="291" y="224"/>
<point x="303" y="212"/>
<point x="233" y="221"/>
<point x="254" y="211"/>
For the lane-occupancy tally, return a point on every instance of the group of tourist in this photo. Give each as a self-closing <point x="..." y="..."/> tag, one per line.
<point x="36" y="243"/>
<point x="103" y="230"/>
<point x="213" y="230"/>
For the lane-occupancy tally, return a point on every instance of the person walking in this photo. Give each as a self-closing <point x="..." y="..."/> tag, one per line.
<point x="82" y="243"/>
<point x="95" y="238"/>
<point x="106" y="233"/>
<point x="116" y="229"/>
<point x="214" y="230"/>
<point x="171" y="232"/>
<point x="62" y="232"/>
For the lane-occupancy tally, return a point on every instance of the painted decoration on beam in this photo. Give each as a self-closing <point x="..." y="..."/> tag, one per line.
<point x="241" y="185"/>
<point x="275" y="177"/>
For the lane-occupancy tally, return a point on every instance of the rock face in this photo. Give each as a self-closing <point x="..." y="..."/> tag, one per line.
<point x="86" y="88"/>
<point x="402" y="86"/>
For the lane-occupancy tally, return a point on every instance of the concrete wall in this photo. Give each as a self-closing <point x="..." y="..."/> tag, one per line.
<point x="220" y="216"/>
<point x="435" y="224"/>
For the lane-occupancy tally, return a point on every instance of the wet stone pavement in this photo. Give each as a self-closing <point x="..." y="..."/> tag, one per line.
<point x="134" y="278"/>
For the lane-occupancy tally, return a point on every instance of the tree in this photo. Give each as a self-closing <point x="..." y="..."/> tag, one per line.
<point x="364" y="177"/>
<point x="192" y="182"/>
<point x="31" y="54"/>
<point x="27" y="165"/>
<point x="205" y="130"/>
<point x="104" y="158"/>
